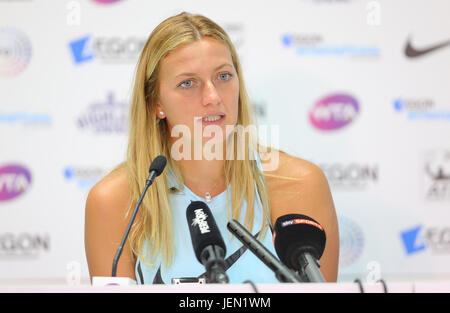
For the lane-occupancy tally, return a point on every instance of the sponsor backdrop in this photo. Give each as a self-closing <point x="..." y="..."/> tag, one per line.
<point x="361" y="88"/>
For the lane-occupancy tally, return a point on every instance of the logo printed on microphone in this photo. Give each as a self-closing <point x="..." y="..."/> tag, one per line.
<point x="200" y="220"/>
<point x="14" y="181"/>
<point x="334" y="111"/>
<point x="301" y="221"/>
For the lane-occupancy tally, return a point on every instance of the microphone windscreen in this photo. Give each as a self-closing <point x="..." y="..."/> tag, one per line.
<point x="294" y="233"/>
<point x="158" y="165"/>
<point x="203" y="228"/>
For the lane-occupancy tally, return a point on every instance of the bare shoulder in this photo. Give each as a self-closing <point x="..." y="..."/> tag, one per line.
<point x="106" y="219"/>
<point x="111" y="192"/>
<point x="297" y="186"/>
<point x="287" y="170"/>
<point x="296" y="166"/>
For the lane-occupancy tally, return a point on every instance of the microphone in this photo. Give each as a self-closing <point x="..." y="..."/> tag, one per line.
<point x="282" y="273"/>
<point x="156" y="168"/>
<point x="207" y="241"/>
<point x="299" y="242"/>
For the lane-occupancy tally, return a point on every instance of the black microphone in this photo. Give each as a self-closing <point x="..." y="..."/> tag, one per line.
<point x="282" y="273"/>
<point x="299" y="242"/>
<point x="207" y="241"/>
<point x="156" y="168"/>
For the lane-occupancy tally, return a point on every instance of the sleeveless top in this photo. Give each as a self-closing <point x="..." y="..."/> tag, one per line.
<point x="185" y="264"/>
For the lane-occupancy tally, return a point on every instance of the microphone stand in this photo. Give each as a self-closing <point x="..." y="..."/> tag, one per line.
<point x="215" y="267"/>
<point x="148" y="182"/>
<point x="309" y="268"/>
<point x="282" y="272"/>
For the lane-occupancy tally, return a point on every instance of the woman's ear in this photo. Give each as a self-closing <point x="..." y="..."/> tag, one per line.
<point x="160" y="112"/>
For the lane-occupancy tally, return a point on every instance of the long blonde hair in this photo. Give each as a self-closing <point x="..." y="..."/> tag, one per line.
<point x="149" y="137"/>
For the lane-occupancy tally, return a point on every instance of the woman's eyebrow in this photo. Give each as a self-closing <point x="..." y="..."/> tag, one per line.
<point x="193" y="74"/>
<point x="223" y="65"/>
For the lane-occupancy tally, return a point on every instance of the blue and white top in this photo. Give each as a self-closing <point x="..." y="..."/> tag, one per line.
<point x="185" y="263"/>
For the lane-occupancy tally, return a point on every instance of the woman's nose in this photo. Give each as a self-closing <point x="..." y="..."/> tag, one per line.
<point x="210" y="94"/>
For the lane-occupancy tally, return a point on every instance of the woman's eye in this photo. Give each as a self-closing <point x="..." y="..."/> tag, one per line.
<point x="187" y="83"/>
<point x="225" y="76"/>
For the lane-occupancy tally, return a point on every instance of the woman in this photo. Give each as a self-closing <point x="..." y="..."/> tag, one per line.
<point x="189" y="86"/>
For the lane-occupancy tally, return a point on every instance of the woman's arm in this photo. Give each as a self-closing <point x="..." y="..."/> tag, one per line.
<point x="105" y="224"/>
<point x="307" y="193"/>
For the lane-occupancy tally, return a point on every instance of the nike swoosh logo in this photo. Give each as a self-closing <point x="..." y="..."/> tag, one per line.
<point x="413" y="52"/>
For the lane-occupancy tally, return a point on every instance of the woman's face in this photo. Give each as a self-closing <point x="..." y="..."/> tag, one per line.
<point x="199" y="87"/>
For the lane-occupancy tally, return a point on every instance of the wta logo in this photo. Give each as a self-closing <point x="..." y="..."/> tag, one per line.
<point x="15" y="52"/>
<point x="334" y="112"/>
<point x="14" y="181"/>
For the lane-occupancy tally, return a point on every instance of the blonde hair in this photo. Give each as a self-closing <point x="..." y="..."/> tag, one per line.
<point x="149" y="137"/>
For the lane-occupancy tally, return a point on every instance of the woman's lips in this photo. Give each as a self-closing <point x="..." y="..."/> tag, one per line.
<point x="216" y="119"/>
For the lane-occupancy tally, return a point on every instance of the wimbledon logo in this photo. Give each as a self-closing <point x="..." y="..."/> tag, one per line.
<point x="334" y="112"/>
<point x="14" y="180"/>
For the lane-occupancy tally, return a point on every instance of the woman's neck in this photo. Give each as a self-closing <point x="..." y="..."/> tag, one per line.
<point x="203" y="176"/>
